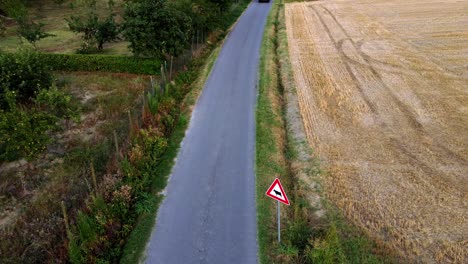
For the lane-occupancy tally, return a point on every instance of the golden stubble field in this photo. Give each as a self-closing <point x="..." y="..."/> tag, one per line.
<point x="383" y="91"/>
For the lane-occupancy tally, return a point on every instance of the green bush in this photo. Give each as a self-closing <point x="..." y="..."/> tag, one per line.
<point x="105" y="63"/>
<point x="56" y="102"/>
<point x="23" y="133"/>
<point x="298" y="234"/>
<point x="23" y="73"/>
<point x="25" y="121"/>
<point x="327" y="250"/>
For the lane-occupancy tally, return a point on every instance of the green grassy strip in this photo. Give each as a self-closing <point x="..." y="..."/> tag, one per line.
<point x="136" y="243"/>
<point x="104" y="63"/>
<point x="267" y="119"/>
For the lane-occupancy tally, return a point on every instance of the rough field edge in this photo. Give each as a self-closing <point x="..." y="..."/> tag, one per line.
<point x="303" y="172"/>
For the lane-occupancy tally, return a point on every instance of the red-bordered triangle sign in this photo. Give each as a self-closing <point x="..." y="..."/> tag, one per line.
<point x="276" y="192"/>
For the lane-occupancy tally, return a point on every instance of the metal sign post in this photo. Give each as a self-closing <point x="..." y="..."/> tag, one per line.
<point x="279" y="224"/>
<point x="276" y="192"/>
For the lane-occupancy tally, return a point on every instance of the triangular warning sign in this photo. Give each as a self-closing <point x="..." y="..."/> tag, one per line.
<point x="276" y="192"/>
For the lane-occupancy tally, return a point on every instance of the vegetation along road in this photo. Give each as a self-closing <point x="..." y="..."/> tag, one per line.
<point x="209" y="213"/>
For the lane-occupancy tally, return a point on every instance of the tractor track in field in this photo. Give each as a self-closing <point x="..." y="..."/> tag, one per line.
<point x="385" y="108"/>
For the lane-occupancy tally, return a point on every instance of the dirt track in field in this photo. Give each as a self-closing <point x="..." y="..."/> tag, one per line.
<point x="383" y="90"/>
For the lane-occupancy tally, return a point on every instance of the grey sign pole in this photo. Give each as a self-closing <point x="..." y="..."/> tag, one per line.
<point x="279" y="224"/>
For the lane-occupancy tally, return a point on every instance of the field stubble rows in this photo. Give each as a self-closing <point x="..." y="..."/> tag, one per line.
<point x="383" y="91"/>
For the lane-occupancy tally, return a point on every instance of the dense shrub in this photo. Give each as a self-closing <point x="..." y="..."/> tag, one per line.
<point x="57" y="103"/>
<point x="78" y="62"/>
<point x="29" y="107"/>
<point x="23" y="133"/>
<point x="23" y="73"/>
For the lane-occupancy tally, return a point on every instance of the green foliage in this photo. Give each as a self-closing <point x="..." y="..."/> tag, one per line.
<point x="230" y="17"/>
<point x="32" y="31"/>
<point x="15" y="9"/>
<point x="74" y="252"/>
<point x="90" y="229"/>
<point x="97" y="153"/>
<point x="23" y="73"/>
<point x="145" y="203"/>
<point x="29" y="110"/>
<point x="223" y="5"/>
<point x="105" y="63"/>
<point x="96" y="31"/>
<point x="155" y="28"/>
<point x="152" y="99"/>
<point x="152" y="144"/>
<point x="56" y="102"/>
<point x="27" y="28"/>
<point x="204" y="15"/>
<point x="335" y="247"/>
<point x="327" y="250"/>
<point x="2" y="27"/>
<point x="23" y="133"/>
<point x="298" y="233"/>
<point x="23" y="130"/>
<point x="87" y="228"/>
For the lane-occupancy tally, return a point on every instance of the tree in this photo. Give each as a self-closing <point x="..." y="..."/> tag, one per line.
<point x="32" y="31"/>
<point x="203" y="13"/>
<point x="155" y="28"/>
<point x="2" y="27"/>
<point x="96" y="31"/>
<point x="28" y="29"/>
<point x="222" y="4"/>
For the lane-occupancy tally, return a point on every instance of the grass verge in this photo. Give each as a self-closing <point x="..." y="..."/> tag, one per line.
<point x="313" y="230"/>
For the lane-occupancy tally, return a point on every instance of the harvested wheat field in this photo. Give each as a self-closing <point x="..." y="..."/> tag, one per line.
<point x="383" y="91"/>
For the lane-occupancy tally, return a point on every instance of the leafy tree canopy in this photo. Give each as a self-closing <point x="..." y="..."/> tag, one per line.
<point x="96" y="31"/>
<point x="155" y="28"/>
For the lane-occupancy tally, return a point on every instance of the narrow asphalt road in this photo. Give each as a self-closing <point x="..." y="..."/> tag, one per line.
<point x="209" y="214"/>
